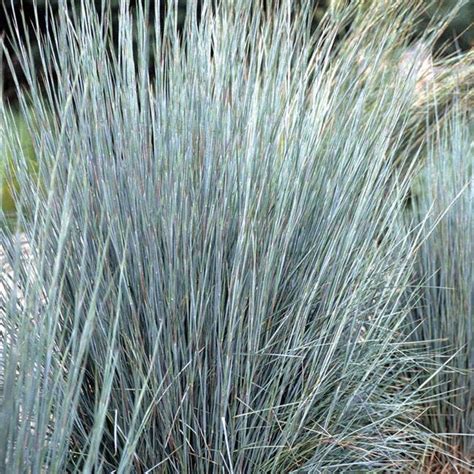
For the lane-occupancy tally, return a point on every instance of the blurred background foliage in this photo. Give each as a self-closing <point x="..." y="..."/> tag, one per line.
<point x="6" y="172"/>
<point x="458" y="36"/>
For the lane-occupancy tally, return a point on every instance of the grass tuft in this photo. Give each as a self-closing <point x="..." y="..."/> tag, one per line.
<point x="218" y="266"/>
<point x="444" y="318"/>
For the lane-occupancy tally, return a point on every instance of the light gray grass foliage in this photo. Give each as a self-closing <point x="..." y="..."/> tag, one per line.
<point x="445" y="261"/>
<point x="218" y="270"/>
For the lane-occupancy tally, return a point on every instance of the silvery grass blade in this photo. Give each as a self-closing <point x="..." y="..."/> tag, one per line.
<point x="444" y="318"/>
<point x="217" y="272"/>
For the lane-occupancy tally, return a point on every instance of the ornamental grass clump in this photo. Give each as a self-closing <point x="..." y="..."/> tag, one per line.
<point x="218" y="269"/>
<point x="445" y="316"/>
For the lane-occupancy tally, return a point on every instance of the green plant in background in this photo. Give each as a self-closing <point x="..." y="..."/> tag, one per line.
<point x="460" y="32"/>
<point x="444" y="207"/>
<point x="17" y="126"/>
<point x="219" y="276"/>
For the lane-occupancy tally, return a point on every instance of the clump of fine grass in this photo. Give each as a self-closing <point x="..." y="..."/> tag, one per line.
<point x="444" y="318"/>
<point x="217" y="272"/>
